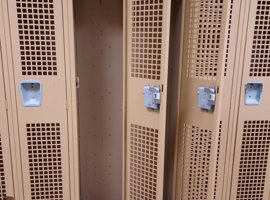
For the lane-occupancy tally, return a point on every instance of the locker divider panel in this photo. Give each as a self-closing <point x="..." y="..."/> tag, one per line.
<point x="147" y="46"/>
<point x="38" y="54"/>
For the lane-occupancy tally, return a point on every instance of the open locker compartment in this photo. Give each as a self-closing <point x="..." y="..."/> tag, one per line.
<point x="138" y="32"/>
<point x="99" y="55"/>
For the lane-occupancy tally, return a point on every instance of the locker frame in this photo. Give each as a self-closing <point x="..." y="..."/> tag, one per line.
<point x="232" y="119"/>
<point x="5" y="134"/>
<point x="124" y="101"/>
<point x="71" y="81"/>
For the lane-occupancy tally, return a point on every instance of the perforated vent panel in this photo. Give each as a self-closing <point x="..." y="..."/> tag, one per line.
<point x="217" y="161"/>
<point x="45" y="164"/>
<point x="228" y="38"/>
<point x="143" y="162"/>
<point x="253" y="160"/>
<point x="204" y="38"/>
<point x="146" y="38"/>
<point x="260" y="60"/>
<point x="2" y="174"/>
<point x="37" y="37"/>
<point x="199" y="146"/>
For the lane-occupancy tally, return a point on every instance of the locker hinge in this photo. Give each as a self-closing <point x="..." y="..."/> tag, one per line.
<point x="6" y="104"/>
<point x="67" y="105"/>
<point x="77" y="82"/>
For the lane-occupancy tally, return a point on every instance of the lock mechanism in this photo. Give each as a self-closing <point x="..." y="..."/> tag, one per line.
<point x="151" y="96"/>
<point x="207" y="98"/>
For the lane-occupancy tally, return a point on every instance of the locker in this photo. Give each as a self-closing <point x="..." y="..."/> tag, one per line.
<point x="251" y="167"/>
<point x="40" y="71"/>
<point x="146" y="55"/>
<point x="208" y="43"/>
<point x="223" y="151"/>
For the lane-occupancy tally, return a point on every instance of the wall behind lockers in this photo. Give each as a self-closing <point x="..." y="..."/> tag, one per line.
<point x="99" y="49"/>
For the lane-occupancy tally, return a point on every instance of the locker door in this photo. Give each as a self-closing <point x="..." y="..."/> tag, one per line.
<point x="36" y="28"/>
<point x="251" y="170"/>
<point x="147" y="46"/>
<point x="6" y="178"/>
<point x="207" y="60"/>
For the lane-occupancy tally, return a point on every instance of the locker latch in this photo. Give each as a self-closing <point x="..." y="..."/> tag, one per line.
<point x="207" y="98"/>
<point x="151" y="95"/>
<point x="30" y="93"/>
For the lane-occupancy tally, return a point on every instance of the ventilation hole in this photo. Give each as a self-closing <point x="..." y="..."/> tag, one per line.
<point x="204" y="38"/>
<point x="260" y="60"/>
<point x="253" y="160"/>
<point x="36" y="26"/>
<point x="143" y="162"/>
<point x="228" y="38"/>
<point x="217" y="161"/>
<point x="2" y="174"/>
<point x="199" y="147"/>
<point x="45" y="163"/>
<point x="147" y="20"/>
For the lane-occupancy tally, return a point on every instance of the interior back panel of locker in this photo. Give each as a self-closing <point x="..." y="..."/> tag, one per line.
<point x="99" y="47"/>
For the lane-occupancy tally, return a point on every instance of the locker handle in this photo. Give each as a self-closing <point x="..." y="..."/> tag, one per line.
<point x="30" y="93"/>
<point x="253" y="93"/>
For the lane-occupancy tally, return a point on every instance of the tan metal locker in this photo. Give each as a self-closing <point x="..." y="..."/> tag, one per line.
<point x="210" y="30"/>
<point x="146" y="32"/>
<point x="251" y="167"/>
<point x="6" y="176"/>
<point x="42" y="74"/>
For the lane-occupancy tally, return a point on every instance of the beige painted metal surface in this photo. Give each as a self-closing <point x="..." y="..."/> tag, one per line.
<point x="224" y="154"/>
<point x="38" y="55"/>
<point x="41" y="48"/>
<point x="147" y="46"/>
<point x="208" y="53"/>
<point x="251" y="167"/>
<point x="6" y="176"/>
